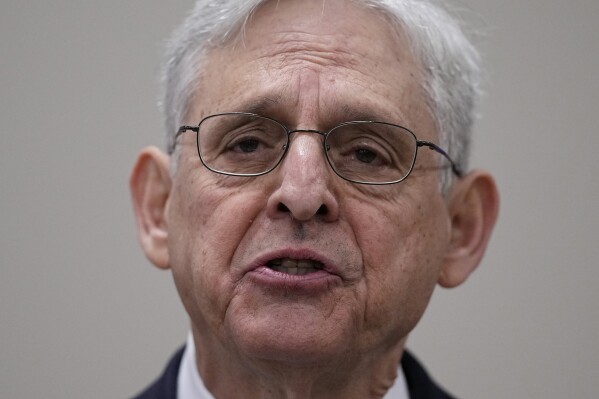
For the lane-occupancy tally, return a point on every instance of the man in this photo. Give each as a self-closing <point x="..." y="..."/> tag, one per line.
<point x="315" y="194"/>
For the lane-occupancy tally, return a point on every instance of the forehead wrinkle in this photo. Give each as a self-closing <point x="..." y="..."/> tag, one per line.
<point x="294" y="47"/>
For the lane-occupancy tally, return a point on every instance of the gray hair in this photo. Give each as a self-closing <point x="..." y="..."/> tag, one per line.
<point x="450" y="63"/>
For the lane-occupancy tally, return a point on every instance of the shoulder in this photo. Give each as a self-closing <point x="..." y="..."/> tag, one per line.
<point x="165" y="387"/>
<point x="420" y="384"/>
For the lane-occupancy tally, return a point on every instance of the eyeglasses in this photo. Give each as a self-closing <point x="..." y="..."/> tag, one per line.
<point x="363" y="152"/>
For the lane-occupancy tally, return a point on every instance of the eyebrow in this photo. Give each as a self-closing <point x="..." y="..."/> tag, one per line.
<point x="269" y="105"/>
<point x="367" y="113"/>
<point x="351" y="114"/>
<point x="261" y="106"/>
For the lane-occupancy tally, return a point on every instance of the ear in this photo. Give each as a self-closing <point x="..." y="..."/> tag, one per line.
<point x="473" y="206"/>
<point x="150" y="185"/>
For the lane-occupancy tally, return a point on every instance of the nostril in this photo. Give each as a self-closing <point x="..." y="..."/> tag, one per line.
<point x="322" y="210"/>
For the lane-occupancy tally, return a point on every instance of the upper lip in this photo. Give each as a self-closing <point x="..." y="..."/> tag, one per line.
<point x="294" y="253"/>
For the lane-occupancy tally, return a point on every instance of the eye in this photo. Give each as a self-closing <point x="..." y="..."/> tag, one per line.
<point x="252" y="137"/>
<point x="363" y="152"/>
<point x="365" y="155"/>
<point x="245" y="145"/>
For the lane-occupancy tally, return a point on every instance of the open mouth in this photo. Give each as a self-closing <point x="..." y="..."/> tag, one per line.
<point x="298" y="267"/>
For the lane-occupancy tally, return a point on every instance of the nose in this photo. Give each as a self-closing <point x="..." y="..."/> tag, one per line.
<point x="304" y="185"/>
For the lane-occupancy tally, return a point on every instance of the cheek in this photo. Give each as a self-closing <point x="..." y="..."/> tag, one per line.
<point x="210" y="221"/>
<point x="401" y="245"/>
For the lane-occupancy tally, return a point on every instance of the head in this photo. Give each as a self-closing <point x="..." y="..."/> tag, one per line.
<point x="298" y="266"/>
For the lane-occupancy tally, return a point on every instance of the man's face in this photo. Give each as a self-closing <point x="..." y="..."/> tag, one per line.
<point x="374" y="252"/>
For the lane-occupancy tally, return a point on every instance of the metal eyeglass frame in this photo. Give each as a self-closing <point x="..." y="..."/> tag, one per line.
<point x="419" y="143"/>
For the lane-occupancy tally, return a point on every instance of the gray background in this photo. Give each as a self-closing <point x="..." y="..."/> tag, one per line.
<point x="84" y="315"/>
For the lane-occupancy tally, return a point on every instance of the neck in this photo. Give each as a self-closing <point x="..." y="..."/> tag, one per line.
<point x="229" y="374"/>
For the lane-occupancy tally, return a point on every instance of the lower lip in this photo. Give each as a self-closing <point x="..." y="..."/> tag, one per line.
<point x="307" y="283"/>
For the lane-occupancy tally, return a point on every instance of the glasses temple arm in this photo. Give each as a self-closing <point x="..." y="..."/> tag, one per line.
<point x="186" y="128"/>
<point x="434" y="147"/>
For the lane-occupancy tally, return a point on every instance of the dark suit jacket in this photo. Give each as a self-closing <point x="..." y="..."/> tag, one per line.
<point x="420" y="385"/>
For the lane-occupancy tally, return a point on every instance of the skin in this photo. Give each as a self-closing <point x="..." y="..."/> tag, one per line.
<point x="310" y="65"/>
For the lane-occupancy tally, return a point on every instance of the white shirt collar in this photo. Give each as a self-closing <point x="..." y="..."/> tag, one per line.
<point x="191" y="386"/>
<point x="189" y="383"/>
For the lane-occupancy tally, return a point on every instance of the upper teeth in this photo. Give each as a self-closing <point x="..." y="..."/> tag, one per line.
<point x="295" y="266"/>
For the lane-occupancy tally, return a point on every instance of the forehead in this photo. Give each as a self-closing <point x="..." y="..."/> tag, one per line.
<point x="331" y="58"/>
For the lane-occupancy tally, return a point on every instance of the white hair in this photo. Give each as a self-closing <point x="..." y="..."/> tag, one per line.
<point x="451" y="64"/>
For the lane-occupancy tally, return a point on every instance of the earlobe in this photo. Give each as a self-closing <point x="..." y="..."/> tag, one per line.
<point x="473" y="207"/>
<point x="150" y="185"/>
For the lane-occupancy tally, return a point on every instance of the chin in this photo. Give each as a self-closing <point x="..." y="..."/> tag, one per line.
<point x="294" y="335"/>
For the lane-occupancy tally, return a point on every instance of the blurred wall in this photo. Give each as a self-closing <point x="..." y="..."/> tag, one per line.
<point x="83" y="314"/>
